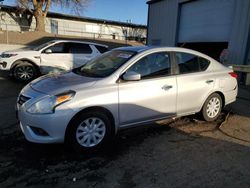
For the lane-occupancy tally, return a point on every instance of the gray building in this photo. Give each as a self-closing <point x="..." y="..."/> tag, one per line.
<point x="208" y="26"/>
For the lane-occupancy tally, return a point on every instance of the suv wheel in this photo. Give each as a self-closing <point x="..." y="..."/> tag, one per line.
<point x="212" y="107"/>
<point x="24" y="72"/>
<point x="89" y="131"/>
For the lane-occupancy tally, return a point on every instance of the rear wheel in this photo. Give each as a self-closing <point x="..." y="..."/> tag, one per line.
<point x="24" y="72"/>
<point x="212" y="107"/>
<point x="89" y="131"/>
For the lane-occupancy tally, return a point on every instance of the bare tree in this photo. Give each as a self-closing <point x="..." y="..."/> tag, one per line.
<point x="22" y="17"/>
<point x="40" y="8"/>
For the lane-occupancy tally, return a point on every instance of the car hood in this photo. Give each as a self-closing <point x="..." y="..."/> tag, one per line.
<point x="58" y="83"/>
<point x="21" y="51"/>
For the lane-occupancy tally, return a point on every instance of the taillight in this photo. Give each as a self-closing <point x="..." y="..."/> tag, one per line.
<point x="233" y="74"/>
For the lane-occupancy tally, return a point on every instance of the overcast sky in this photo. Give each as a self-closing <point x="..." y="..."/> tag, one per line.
<point x="118" y="10"/>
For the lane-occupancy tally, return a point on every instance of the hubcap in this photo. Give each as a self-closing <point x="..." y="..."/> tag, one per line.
<point x="24" y="72"/>
<point x="90" y="132"/>
<point x="213" y="107"/>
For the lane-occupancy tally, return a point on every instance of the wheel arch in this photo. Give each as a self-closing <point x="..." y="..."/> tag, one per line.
<point x="93" y="108"/>
<point x="19" y="61"/>
<point x="222" y="97"/>
<point x="218" y="92"/>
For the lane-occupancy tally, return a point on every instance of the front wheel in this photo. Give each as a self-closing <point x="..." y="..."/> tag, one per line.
<point x="24" y="72"/>
<point x="89" y="131"/>
<point x="212" y="107"/>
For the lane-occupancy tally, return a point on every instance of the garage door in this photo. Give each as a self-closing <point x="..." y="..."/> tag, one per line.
<point x="206" y="21"/>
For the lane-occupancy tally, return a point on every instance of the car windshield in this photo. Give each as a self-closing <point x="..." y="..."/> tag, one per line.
<point x="43" y="45"/>
<point x="105" y="64"/>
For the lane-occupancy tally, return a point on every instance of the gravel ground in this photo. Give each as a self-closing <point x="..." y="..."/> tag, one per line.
<point x="185" y="152"/>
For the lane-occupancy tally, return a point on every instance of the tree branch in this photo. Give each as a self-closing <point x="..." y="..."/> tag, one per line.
<point x="25" y="5"/>
<point x="34" y="3"/>
<point x="47" y="7"/>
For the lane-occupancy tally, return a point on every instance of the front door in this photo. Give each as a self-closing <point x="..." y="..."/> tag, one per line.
<point x="56" y="58"/>
<point x="152" y="97"/>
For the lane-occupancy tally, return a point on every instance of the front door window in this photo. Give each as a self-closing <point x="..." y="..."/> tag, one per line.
<point x="153" y="65"/>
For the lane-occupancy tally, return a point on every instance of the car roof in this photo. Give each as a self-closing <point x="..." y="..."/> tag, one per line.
<point x="135" y="48"/>
<point x="140" y="49"/>
<point x="78" y="41"/>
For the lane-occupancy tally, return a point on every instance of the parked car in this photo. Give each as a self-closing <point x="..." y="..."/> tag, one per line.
<point x="54" y="56"/>
<point x="120" y="89"/>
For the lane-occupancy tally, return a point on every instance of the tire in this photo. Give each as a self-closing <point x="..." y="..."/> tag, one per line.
<point x="212" y="107"/>
<point x="24" y="72"/>
<point x="82" y="137"/>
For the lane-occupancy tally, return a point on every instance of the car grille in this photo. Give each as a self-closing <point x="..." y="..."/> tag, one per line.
<point x="22" y="99"/>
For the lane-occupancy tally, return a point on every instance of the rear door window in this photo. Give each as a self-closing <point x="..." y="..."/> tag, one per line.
<point x="101" y="49"/>
<point x="189" y="63"/>
<point x="79" y="48"/>
<point x="204" y="63"/>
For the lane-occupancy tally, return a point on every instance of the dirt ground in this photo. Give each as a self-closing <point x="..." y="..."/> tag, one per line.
<point x="185" y="152"/>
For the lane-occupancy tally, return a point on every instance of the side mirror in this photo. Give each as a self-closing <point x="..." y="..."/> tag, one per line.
<point x="48" y="51"/>
<point x="131" y="76"/>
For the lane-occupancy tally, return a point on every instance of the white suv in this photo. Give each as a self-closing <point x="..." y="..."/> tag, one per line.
<point x="54" y="56"/>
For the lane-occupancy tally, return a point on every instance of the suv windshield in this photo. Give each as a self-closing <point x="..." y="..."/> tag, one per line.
<point x="105" y="64"/>
<point x="43" y="45"/>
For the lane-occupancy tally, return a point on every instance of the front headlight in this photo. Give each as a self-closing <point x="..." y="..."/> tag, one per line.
<point x="47" y="105"/>
<point x="7" y="55"/>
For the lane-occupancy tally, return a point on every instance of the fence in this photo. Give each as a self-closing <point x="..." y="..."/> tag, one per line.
<point x="69" y="31"/>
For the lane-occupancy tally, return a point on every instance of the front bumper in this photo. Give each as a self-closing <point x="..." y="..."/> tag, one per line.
<point x="54" y="125"/>
<point x="5" y="63"/>
<point x="42" y="128"/>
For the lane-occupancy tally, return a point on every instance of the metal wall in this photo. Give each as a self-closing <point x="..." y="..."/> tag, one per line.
<point x="164" y="25"/>
<point x="240" y="34"/>
<point x="206" y="21"/>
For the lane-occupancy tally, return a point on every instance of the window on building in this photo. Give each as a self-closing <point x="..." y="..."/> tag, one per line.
<point x="54" y="26"/>
<point x="153" y="65"/>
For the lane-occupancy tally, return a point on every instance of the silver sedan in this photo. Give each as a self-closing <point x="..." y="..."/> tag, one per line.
<point x="120" y="89"/>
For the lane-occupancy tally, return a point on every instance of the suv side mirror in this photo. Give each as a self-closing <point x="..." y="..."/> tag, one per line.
<point x="48" y="51"/>
<point x="131" y="76"/>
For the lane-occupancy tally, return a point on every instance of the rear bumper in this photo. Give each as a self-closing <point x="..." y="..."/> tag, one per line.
<point x="230" y="96"/>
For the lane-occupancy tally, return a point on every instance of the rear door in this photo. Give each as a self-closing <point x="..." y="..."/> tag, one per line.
<point x="81" y="53"/>
<point x="194" y="82"/>
<point x="58" y="60"/>
<point x="152" y="97"/>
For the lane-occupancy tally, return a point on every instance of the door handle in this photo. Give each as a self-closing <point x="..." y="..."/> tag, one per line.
<point x="166" y="87"/>
<point x="209" y="81"/>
